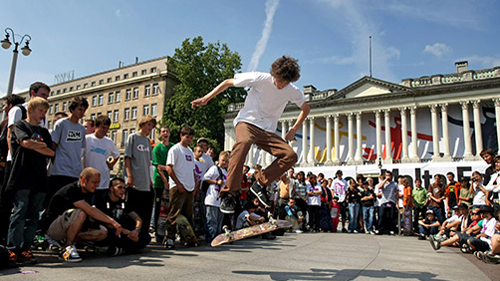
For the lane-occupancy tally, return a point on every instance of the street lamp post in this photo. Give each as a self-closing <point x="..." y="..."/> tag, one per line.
<point x="25" y="50"/>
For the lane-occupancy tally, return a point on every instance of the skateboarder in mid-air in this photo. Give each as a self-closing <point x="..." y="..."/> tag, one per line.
<point x="256" y="124"/>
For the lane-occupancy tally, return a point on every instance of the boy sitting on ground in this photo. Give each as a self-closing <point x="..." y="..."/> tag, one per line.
<point x="248" y="218"/>
<point x="294" y="216"/>
<point x="429" y="225"/>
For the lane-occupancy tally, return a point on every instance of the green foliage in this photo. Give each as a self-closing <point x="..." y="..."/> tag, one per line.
<point x="200" y="68"/>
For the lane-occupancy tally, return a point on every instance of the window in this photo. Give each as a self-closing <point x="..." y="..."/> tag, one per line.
<point x="98" y="114"/>
<point x="56" y="107"/>
<point x="86" y="85"/>
<point x="136" y="93"/>
<point x="111" y="97"/>
<point x="64" y="90"/>
<point x="52" y="93"/>
<point x="78" y="87"/>
<point x="51" y="110"/>
<point x="144" y="72"/>
<point x="110" y="114"/>
<point x="147" y="90"/>
<point x="134" y="74"/>
<point x="101" y="99"/>
<point x="134" y="112"/>
<point x="153" y="70"/>
<point x="58" y="92"/>
<point x="116" y="115"/>
<point x="94" y="100"/>
<point x="109" y="80"/>
<point x="156" y="89"/>
<point x="49" y="124"/>
<point x="153" y="109"/>
<point x="132" y="131"/>
<point x="117" y="78"/>
<point x="128" y="93"/>
<point x="145" y="109"/>
<point x="92" y="84"/>
<point x="152" y="134"/>
<point x="113" y="136"/>
<point x="71" y="89"/>
<point x="92" y="116"/>
<point x="117" y="96"/>
<point x="124" y="137"/>
<point x="64" y="106"/>
<point x="126" y="114"/>
<point x="125" y="76"/>
<point x="101" y="81"/>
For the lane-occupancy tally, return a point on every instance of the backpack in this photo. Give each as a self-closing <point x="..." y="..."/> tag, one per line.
<point x="4" y="147"/>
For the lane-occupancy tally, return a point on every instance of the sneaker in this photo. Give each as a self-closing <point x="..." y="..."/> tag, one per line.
<point x="227" y="204"/>
<point x="114" y="251"/>
<point x="465" y="249"/>
<point x="69" y="254"/>
<point x="372" y="233"/>
<point x="258" y="191"/>
<point x="377" y="232"/>
<point x="298" y="231"/>
<point x="355" y="231"/>
<point x="491" y="258"/>
<point x="13" y="258"/>
<point x="169" y="243"/>
<point x="392" y="233"/>
<point x="27" y="257"/>
<point x="421" y="237"/>
<point x="436" y="245"/>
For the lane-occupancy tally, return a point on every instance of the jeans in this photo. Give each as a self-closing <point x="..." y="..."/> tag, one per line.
<point x="438" y="212"/>
<point x="353" y="215"/>
<point x="214" y="222"/>
<point x="428" y="231"/>
<point x="368" y="217"/>
<point x="386" y="216"/>
<point x="24" y="220"/>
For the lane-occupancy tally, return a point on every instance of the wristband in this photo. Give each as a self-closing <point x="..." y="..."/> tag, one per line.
<point x="138" y="229"/>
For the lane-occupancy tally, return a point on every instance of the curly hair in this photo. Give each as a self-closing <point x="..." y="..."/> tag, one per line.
<point x="286" y="68"/>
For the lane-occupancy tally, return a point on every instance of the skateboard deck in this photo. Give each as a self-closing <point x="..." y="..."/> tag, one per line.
<point x="161" y="224"/>
<point x="407" y="223"/>
<point x="198" y="217"/>
<point x="186" y="231"/>
<point x="251" y="231"/>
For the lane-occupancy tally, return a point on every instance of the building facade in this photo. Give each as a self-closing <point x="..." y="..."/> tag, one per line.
<point x="421" y="126"/>
<point x="124" y="94"/>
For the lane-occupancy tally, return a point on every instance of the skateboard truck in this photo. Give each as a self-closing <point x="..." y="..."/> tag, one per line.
<point x="227" y="232"/>
<point x="271" y="219"/>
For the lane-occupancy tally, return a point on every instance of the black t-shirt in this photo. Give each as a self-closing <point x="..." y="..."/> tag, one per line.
<point x="63" y="200"/>
<point x="119" y="211"/>
<point x="366" y="193"/>
<point x="29" y="167"/>
<point x="353" y="196"/>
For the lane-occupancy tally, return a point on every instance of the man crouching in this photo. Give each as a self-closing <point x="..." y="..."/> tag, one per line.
<point x="67" y="214"/>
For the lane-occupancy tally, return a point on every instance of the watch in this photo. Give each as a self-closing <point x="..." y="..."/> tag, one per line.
<point x="138" y="229"/>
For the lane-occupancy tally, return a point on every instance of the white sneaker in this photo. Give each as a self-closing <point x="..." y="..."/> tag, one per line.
<point x="69" y="254"/>
<point x="298" y="231"/>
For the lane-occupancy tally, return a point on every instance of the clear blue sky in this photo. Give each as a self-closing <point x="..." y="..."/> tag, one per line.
<point x="329" y="37"/>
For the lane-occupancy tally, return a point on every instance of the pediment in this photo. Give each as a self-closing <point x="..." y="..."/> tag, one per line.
<point x="368" y="86"/>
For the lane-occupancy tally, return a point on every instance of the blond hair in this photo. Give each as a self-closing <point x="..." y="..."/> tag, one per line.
<point x="38" y="101"/>
<point x="147" y="118"/>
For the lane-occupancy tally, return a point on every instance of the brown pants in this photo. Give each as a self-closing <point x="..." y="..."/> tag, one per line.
<point x="246" y="135"/>
<point x="180" y="203"/>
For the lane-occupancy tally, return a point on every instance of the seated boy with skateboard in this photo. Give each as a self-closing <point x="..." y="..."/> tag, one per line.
<point x="248" y="218"/>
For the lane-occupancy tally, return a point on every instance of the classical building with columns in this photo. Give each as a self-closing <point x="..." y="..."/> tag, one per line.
<point x="422" y="126"/>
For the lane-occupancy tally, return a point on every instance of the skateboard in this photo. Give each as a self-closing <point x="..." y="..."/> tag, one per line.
<point x="188" y="237"/>
<point x="161" y="224"/>
<point x="198" y="217"/>
<point x="407" y="223"/>
<point x="230" y="236"/>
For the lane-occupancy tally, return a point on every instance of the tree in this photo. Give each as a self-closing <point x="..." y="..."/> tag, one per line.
<point x="199" y="68"/>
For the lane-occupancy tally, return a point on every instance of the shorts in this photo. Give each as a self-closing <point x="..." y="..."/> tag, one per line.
<point x="479" y="244"/>
<point x="59" y="227"/>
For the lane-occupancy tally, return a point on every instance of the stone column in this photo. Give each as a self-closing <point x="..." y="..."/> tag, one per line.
<point x="446" y="135"/>
<point x="388" y="141"/>
<point x="435" y="133"/>
<point x="378" y="133"/>
<point x="263" y="158"/>
<point x="311" y="159"/>
<point x="350" y="126"/>
<point x="305" y="151"/>
<point x="359" y="139"/>
<point x="404" y="136"/>
<point x="328" y="151"/>
<point x="477" y="128"/>
<point x="290" y="125"/>
<point x="497" y="116"/>
<point x="283" y="128"/>
<point x="466" y="125"/>
<point x="414" y="135"/>
<point x="336" y="139"/>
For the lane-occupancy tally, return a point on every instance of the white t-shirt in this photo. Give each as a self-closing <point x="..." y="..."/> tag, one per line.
<point x="401" y="192"/>
<point x="488" y="229"/>
<point x="479" y="196"/>
<point x="182" y="160"/>
<point x="199" y="169"/>
<point x="211" y="198"/>
<point x="97" y="151"/>
<point x="314" y="200"/>
<point x="339" y="188"/>
<point x="264" y="103"/>
<point x="207" y="160"/>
